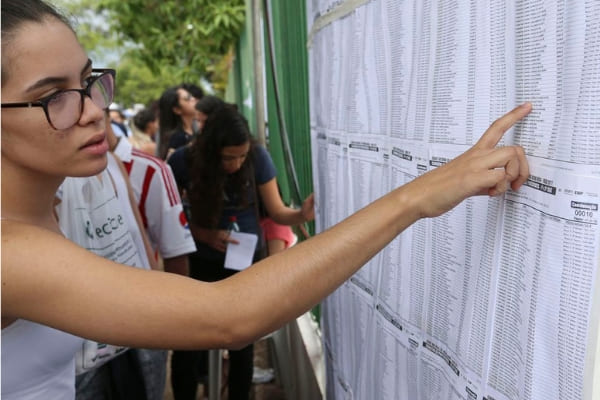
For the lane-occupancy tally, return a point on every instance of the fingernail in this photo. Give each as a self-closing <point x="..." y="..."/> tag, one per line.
<point x="524" y="104"/>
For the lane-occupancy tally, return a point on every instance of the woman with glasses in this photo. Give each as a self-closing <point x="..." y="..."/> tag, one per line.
<point x="176" y="119"/>
<point x="53" y="127"/>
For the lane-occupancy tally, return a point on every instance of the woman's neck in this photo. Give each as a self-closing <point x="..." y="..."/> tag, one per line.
<point x="28" y="196"/>
<point x="187" y="124"/>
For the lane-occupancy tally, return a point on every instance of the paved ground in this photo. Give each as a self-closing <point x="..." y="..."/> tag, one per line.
<point x="263" y="391"/>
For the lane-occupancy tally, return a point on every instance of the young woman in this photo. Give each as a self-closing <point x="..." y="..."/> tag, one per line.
<point x="225" y="175"/>
<point x="53" y="126"/>
<point x="206" y="106"/>
<point x="176" y="119"/>
<point x="278" y="237"/>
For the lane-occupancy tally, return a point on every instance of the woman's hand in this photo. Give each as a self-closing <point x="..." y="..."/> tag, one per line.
<point x="308" y="208"/>
<point x="218" y="239"/>
<point x="483" y="169"/>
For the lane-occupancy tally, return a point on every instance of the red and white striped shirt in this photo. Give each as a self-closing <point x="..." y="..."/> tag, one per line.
<point x="158" y="201"/>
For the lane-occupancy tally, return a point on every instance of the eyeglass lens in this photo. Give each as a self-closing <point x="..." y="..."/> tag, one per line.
<point x="64" y="110"/>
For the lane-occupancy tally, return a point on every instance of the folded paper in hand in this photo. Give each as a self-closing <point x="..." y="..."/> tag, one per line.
<point x="239" y="256"/>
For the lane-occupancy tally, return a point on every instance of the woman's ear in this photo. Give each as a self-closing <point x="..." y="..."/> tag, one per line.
<point x="176" y="110"/>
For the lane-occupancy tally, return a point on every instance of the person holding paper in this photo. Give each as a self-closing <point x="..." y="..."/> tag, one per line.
<point x="53" y="103"/>
<point x="224" y="174"/>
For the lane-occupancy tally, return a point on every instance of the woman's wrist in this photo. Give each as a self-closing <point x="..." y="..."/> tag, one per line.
<point x="301" y="216"/>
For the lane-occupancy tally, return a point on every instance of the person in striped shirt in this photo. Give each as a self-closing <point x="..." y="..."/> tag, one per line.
<point x="159" y="203"/>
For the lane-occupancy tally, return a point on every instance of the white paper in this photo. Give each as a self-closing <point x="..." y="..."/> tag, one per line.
<point x="492" y="300"/>
<point x="239" y="256"/>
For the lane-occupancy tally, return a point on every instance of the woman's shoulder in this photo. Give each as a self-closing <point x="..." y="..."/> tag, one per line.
<point x="259" y="149"/>
<point x="178" y="156"/>
<point x="264" y="168"/>
<point x="260" y="153"/>
<point x="179" y="162"/>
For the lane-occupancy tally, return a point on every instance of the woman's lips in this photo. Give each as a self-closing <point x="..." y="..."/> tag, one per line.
<point x="96" y="145"/>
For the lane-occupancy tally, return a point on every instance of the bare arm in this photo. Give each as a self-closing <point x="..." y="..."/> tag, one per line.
<point x="279" y="212"/>
<point x="152" y="309"/>
<point x="61" y="285"/>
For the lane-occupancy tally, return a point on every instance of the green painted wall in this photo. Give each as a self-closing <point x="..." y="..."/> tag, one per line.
<point x="288" y="25"/>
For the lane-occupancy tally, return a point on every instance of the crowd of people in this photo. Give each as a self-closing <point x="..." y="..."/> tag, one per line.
<point x="179" y="202"/>
<point x="115" y="232"/>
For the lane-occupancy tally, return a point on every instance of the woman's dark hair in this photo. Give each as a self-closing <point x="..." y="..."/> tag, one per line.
<point x="169" y="122"/>
<point x="194" y="90"/>
<point x="209" y="104"/>
<point x="17" y="12"/>
<point x="143" y="118"/>
<point x="225" y="127"/>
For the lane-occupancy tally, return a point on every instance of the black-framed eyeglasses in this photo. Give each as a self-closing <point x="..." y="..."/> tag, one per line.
<point x="64" y="108"/>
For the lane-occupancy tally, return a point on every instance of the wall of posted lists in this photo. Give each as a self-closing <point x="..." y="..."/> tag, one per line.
<point x="498" y="299"/>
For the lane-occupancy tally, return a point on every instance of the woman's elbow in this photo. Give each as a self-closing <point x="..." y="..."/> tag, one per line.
<point x="237" y="336"/>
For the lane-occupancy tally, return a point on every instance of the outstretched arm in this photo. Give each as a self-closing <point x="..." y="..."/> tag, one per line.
<point x="66" y="287"/>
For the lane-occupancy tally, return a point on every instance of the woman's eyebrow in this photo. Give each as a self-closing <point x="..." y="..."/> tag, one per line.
<point x="53" y="80"/>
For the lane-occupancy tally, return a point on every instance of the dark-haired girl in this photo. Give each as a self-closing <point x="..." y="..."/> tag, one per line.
<point x="225" y="174"/>
<point x="176" y="119"/>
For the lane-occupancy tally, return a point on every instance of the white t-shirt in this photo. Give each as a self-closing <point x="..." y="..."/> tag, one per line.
<point x="123" y="197"/>
<point x="95" y="213"/>
<point x="158" y="201"/>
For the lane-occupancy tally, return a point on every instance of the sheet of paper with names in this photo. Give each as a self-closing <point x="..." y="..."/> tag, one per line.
<point x="494" y="299"/>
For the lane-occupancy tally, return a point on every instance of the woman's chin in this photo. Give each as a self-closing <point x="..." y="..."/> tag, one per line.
<point x="90" y="169"/>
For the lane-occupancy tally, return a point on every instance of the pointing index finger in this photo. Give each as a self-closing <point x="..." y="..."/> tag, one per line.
<point x="492" y="136"/>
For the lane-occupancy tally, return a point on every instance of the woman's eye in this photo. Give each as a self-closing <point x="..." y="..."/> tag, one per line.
<point x="86" y="82"/>
<point x="56" y="97"/>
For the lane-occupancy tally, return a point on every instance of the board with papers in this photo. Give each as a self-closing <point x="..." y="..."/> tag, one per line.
<point x="499" y="298"/>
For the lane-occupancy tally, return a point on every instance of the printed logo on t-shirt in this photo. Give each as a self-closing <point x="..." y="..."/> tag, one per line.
<point x="183" y="220"/>
<point x="106" y="228"/>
